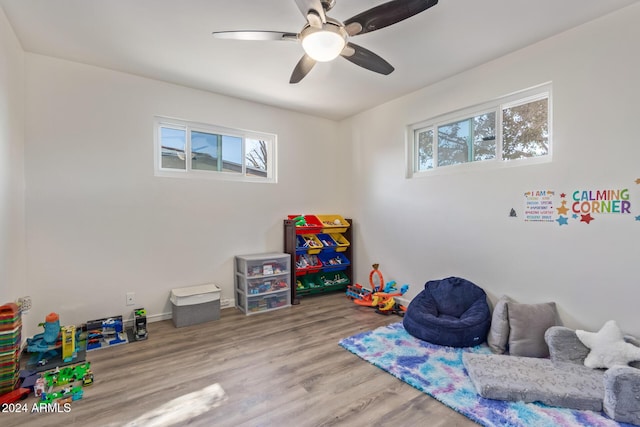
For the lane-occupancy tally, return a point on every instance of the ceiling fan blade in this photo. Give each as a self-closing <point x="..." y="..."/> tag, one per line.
<point x="313" y="12"/>
<point x="366" y="59"/>
<point x="303" y="67"/>
<point x="255" y="35"/>
<point x="386" y="14"/>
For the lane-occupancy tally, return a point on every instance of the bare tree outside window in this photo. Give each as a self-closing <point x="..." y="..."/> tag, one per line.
<point x="256" y="157"/>
<point x="208" y="151"/>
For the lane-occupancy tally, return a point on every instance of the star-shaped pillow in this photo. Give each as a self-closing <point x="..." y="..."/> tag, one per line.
<point x="608" y="347"/>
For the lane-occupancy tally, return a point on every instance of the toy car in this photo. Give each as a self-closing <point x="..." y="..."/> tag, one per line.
<point x="14" y="396"/>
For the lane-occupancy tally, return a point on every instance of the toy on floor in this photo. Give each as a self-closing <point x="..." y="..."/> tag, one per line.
<point x="47" y="343"/>
<point x="388" y="305"/>
<point x="39" y="387"/>
<point x="13" y="396"/>
<point x="140" y="324"/>
<point x="69" y="350"/>
<point x="10" y="344"/>
<point x="63" y="396"/>
<point x="63" y="385"/>
<point x="28" y="378"/>
<point x="382" y="299"/>
<point x="358" y="293"/>
<point x="105" y="332"/>
<point x="385" y="303"/>
<point x="55" y="342"/>
<point x="377" y="273"/>
<point x="69" y="375"/>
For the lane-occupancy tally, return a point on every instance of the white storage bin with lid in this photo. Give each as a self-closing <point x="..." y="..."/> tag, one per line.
<point x="195" y="304"/>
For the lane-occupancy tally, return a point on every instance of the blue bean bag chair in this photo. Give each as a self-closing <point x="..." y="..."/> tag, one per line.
<point x="452" y="312"/>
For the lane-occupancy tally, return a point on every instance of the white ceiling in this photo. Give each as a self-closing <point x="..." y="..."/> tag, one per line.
<point x="171" y="40"/>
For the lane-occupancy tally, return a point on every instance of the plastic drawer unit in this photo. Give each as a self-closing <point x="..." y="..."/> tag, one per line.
<point x="263" y="282"/>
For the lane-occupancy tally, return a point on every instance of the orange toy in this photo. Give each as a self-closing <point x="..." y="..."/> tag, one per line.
<point x="381" y="299"/>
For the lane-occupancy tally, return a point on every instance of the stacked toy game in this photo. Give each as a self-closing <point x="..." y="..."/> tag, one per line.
<point x="10" y="339"/>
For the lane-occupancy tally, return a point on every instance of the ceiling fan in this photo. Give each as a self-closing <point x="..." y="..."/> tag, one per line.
<point x="324" y="39"/>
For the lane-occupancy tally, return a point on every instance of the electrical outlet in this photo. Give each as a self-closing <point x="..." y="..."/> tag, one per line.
<point x="131" y="298"/>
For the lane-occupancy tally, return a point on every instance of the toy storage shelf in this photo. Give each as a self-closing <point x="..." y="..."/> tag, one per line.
<point x="321" y="257"/>
<point x="262" y="282"/>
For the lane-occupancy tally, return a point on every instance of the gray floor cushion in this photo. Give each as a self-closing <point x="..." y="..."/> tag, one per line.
<point x="622" y="394"/>
<point x="530" y="379"/>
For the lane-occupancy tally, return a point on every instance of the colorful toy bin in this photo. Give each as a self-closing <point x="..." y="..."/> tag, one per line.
<point x="306" y="224"/>
<point x="192" y="305"/>
<point x="333" y="261"/>
<point x="333" y="223"/>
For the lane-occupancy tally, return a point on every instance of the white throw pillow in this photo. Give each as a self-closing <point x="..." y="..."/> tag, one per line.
<point x="608" y="347"/>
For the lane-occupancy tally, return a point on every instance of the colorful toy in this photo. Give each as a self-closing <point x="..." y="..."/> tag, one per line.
<point x="300" y="221"/>
<point x="376" y="272"/>
<point x="364" y="296"/>
<point x="39" y="387"/>
<point x="69" y="375"/>
<point x="381" y="299"/>
<point x="357" y="292"/>
<point x="388" y="305"/>
<point x="56" y="345"/>
<point x="46" y="344"/>
<point x="10" y="346"/>
<point x="106" y="332"/>
<point x="75" y="393"/>
<point x="63" y="385"/>
<point x="69" y="351"/>
<point x="140" y="324"/>
<point x="14" y="396"/>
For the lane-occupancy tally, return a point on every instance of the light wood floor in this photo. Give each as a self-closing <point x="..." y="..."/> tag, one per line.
<point x="282" y="368"/>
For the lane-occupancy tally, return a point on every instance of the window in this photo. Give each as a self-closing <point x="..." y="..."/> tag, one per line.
<point x="197" y="150"/>
<point x="510" y="128"/>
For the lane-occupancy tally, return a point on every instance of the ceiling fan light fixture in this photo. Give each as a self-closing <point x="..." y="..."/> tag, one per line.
<point x="324" y="44"/>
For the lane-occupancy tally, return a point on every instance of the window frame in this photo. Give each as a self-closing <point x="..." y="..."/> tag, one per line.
<point x="496" y="106"/>
<point x="270" y="139"/>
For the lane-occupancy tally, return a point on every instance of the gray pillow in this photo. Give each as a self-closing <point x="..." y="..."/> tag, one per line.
<point x="498" y="336"/>
<point x="528" y="323"/>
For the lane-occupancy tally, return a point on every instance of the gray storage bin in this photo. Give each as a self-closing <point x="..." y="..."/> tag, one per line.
<point x="195" y="304"/>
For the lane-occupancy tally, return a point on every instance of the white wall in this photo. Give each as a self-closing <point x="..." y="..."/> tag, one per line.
<point x="12" y="223"/>
<point x="458" y="224"/>
<point x="100" y="224"/>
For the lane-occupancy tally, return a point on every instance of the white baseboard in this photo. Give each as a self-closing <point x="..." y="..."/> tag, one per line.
<point x="159" y="317"/>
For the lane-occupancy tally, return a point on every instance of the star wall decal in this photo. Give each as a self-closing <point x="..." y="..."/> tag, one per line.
<point x="562" y="220"/>
<point x="638" y="218"/>
<point x="563" y="209"/>
<point x="563" y="195"/>
<point x="638" y="181"/>
<point x="587" y="218"/>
